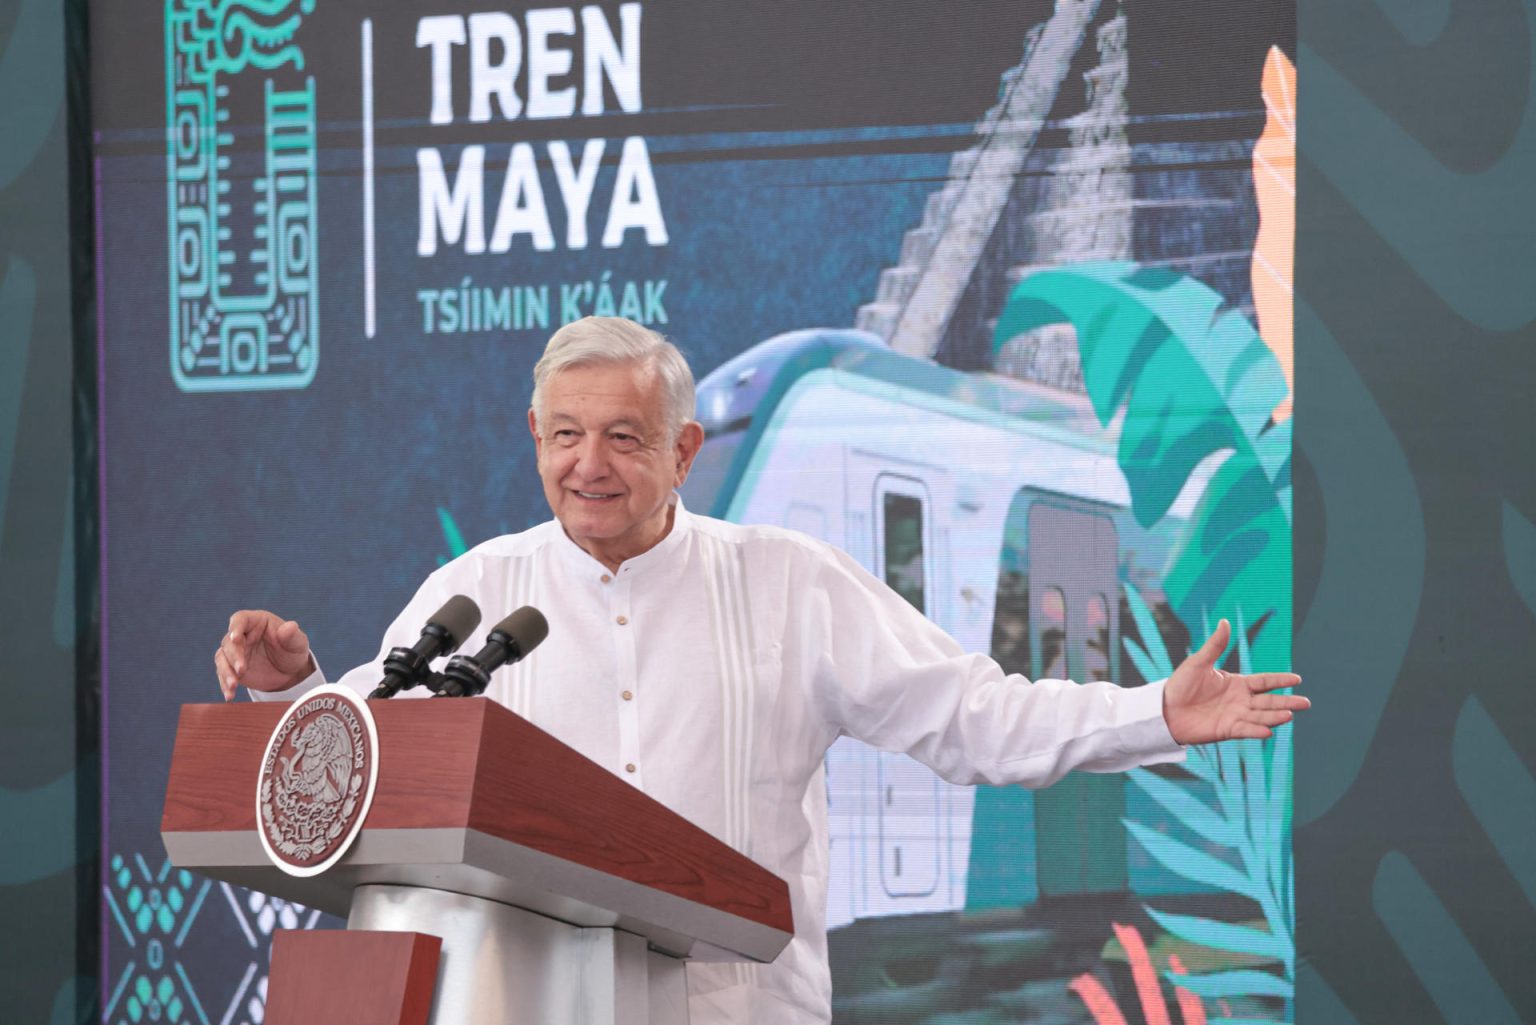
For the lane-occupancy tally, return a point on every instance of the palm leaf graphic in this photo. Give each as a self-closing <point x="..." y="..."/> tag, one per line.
<point x="1196" y="381"/>
<point x="452" y="535"/>
<point x="1251" y="818"/>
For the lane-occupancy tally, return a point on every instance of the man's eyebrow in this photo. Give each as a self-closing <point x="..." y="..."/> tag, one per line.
<point x="623" y="424"/>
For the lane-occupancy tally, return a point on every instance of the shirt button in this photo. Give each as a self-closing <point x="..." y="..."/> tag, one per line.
<point x="607" y="579"/>
<point x="622" y="620"/>
<point x="629" y="696"/>
<point x="630" y="767"/>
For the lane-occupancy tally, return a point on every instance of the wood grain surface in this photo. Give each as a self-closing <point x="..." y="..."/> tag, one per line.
<point x="351" y="977"/>
<point x="470" y="763"/>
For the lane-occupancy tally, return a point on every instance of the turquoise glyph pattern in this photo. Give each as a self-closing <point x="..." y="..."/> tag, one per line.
<point x="240" y="202"/>
<point x="153" y="913"/>
<point x="153" y="910"/>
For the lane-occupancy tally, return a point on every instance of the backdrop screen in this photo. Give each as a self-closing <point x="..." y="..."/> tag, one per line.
<point x="994" y="296"/>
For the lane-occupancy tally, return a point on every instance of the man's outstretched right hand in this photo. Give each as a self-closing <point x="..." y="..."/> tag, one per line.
<point x="263" y="652"/>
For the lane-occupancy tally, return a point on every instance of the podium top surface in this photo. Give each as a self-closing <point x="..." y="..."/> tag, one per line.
<point x="473" y="799"/>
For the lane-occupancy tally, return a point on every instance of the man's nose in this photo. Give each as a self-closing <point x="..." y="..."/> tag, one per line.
<point x="592" y="458"/>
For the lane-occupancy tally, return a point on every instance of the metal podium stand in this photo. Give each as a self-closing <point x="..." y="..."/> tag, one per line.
<point x="561" y="895"/>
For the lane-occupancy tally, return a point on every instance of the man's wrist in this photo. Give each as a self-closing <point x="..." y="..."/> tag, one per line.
<point x="309" y="669"/>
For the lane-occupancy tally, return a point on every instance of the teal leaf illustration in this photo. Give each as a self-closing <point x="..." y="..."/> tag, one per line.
<point x="1234" y="984"/>
<point x="1251" y="818"/>
<point x="1208" y="932"/>
<point x="1152" y="649"/>
<point x="1145" y="664"/>
<point x="1236" y="554"/>
<point x="1191" y="862"/>
<point x="1196" y="381"/>
<point x="1189" y="810"/>
<point x="451" y="534"/>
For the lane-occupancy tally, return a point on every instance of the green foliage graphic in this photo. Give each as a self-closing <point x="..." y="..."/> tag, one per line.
<point x="1251" y="782"/>
<point x="451" y="535"/>
<point x="1195" y="380"/>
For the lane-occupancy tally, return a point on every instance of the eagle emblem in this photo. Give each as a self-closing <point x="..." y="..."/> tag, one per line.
<point x="317" y="774"/>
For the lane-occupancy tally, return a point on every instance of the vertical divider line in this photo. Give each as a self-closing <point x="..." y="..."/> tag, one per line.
<point x="368" y="245"/>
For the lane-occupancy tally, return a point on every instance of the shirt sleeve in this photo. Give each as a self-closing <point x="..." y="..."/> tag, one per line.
<point x="298" y="690"/>
<point x="884" y="673"/>
<point x="454" y="578"/>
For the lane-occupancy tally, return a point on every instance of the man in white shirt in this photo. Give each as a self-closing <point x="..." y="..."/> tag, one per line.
<point x="712" y="664"/>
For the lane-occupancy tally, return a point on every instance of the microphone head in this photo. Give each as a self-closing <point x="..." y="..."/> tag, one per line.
<point x="458" y="618"/>
<point x="527" y="627"/>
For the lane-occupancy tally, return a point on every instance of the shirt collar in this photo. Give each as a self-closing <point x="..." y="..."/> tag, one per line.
<point x="660" y="554"/>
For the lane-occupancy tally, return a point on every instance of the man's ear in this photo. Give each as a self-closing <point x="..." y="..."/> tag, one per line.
<point x="689" y="440"/>
<point x="533" y="429"/>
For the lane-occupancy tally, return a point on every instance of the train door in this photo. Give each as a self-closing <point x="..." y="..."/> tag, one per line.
<point x="1074" y="624"/>
<point x="808" y="519"/>
<point x="908" y="794"/>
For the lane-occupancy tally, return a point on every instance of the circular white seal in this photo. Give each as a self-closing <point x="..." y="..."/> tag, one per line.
<point x="317" y="779"/>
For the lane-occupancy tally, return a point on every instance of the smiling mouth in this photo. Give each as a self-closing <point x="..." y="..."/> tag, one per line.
<point x="593" y="496"/>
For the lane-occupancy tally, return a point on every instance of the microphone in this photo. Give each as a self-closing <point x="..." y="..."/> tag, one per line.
<point x="509" y="641"/>
<point x="447" y="628"/>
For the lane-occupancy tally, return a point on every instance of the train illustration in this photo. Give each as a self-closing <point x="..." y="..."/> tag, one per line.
<point x="996" y="507"/>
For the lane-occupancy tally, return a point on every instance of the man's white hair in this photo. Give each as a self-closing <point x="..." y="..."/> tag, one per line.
<point x="613" y="340"/>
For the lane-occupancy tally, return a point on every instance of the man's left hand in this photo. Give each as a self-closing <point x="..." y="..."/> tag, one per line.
<point x="1203" y="703"/>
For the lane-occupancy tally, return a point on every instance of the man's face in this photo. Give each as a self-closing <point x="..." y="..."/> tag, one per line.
<point x="605" y="458"/>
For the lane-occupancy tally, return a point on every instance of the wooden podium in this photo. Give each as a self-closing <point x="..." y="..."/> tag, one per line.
<point x="562" y="895"/>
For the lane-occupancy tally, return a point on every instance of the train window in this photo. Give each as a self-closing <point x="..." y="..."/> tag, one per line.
<point x="903" y="555"/>
<point x="1010" y="623"/>
<point x="1053" y="634"/>
<point x="1010" y="616"/>
<point x="1074" y="575"/>
<point x="1096" y="665"/>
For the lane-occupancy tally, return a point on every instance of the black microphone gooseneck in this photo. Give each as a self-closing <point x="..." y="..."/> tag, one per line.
<point x="448" y="628"/>
<point x="509" y="641"/>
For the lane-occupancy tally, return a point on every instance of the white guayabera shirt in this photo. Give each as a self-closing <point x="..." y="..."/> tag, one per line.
<point x="714" y="671"/>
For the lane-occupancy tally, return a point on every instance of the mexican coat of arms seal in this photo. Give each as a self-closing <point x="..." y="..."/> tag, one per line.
<point x="317" y="780"/>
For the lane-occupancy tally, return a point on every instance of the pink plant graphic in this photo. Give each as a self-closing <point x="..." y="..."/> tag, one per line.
<point x="1148" y="990"/>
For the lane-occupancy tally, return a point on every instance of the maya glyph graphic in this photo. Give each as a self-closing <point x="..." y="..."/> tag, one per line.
<point x="317" y="779"/>
<point x="240" y="155"/>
